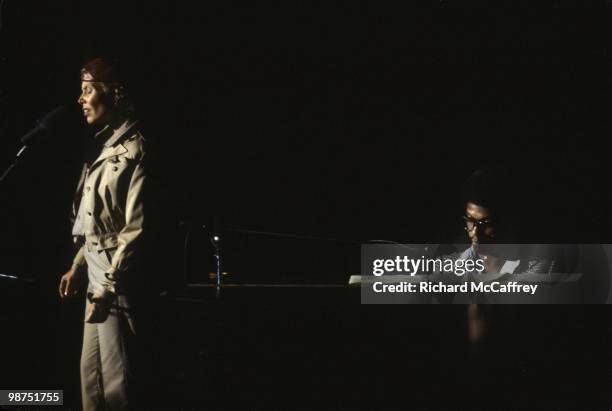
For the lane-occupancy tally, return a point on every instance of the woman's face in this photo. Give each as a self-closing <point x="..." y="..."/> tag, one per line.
<point x="96" y="108"/>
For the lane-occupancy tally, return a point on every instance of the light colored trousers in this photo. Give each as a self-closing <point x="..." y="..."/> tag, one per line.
<point x="108" y="347"/>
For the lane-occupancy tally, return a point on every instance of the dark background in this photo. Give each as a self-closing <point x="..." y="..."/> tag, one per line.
<point x="340" y="120"/>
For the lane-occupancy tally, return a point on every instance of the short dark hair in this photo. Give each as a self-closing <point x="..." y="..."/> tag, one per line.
<point x="484" y="188"/>
<point x="498" y="190"/>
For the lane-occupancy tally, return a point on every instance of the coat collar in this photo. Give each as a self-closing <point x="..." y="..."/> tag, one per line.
<point x="120" y="132"/>
<point x="108" y="152"/>
<point x="111" y="147"/>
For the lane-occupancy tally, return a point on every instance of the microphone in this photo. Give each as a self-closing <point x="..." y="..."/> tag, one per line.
<point x="47" y="121"/>
<point x="43" y="125"/>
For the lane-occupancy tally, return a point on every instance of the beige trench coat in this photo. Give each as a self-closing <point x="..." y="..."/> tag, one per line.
<point x="110" y="191"/>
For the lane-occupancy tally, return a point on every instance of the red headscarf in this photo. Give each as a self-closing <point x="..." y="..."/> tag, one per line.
<point x="100" y="69"/>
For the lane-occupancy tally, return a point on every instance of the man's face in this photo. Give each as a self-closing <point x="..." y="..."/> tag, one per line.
<point x="478" y="223"/>
<point x="95" y="109"/>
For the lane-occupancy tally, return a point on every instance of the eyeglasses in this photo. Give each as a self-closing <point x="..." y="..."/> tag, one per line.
<point x="470" y="223"/>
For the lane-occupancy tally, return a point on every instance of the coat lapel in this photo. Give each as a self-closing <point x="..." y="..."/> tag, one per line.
<point x="77" y="195"/>
<point x="109" y="152"/>
<point x="111" y="146"/>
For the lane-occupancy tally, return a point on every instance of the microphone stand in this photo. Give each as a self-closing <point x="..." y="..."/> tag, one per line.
<point x="15" y="278"/>
<point x="216" y="242"/>
<point x="41" y="126"/>
<point x="13" y="164"/>
<point x="2" y="178"/>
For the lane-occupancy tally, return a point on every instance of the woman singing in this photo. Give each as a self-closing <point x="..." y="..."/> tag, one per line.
<point x="108" y="229"/>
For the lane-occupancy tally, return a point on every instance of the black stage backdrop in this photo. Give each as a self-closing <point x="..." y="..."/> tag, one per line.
<point x="347" y="120"/>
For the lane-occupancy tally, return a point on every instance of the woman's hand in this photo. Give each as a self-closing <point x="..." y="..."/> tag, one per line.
<point x="99" y="307"/>
<point x="70" y="283"/>
<point x="98" y="313"/>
